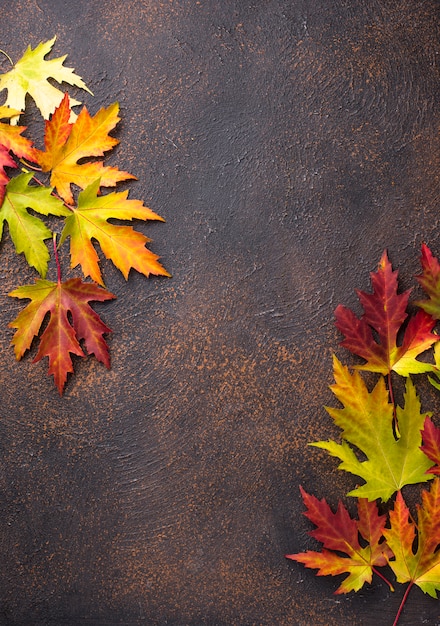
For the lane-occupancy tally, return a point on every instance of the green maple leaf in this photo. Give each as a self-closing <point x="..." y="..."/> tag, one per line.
<point x="27" y="231"/>
<point x="30" y="76"/>
<point x="366" y="422"/>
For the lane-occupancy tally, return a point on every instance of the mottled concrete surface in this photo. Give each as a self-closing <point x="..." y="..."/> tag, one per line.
<point x="286" y="143"/>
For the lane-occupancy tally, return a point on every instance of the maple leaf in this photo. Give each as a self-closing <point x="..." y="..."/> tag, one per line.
<point x="339" y="533"/>
<point x="11" y="136"/>
<point x="122" y="244"/>
<point x="30" y="76"/>
<point x="5" y="161"/>
<point x="429" y="279"/>
<point x="422" y="566"/>
<point x="436" y="370"/>
<point x="71" y="320"/>
<point x="431" y="445"/>
<point x="366" y="422"/>
<point x="27" y="231"/>
<point x="11" y="140"/>
<point x="385" y="313"/>
<point x="65" y="144"/>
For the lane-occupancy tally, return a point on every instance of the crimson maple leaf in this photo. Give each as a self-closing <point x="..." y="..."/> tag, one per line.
<point x="71" y="319"/>
<point x="5" y="161"/>
<point x="431" y="445"/>
<point x="429" y="279"/>
<point x="384" y="315"/>
<point x="339" y="533"/>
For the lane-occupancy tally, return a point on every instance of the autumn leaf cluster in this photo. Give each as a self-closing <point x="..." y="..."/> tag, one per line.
<point x="384" y="446"/>
<point x="66" y="178"/>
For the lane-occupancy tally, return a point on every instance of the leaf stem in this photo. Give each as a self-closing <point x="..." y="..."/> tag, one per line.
<point x="405" y="596"/>
<point x="7" y="56"/>
<point x="384" y="578"/>
<point x="57" y="260"/>
<point x="31" y="167"/>
<point x="391" y="392"/>
<point x="52" y="193"/>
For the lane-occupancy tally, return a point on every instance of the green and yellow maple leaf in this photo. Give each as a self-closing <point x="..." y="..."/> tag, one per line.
<point x="123" y="245"/>
<point x="339" y="534"/>
<point x="385" y="313"/>
<point x="420" y="566"/>
<point x="71" y="320"/>
<point x="30" y="76"/>
<point x="65" y="144"/>
<point x="27" y="231"/>
<point x="366" y="422"/>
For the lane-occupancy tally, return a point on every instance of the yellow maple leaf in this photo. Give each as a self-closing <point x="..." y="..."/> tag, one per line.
<point x="29" y="76"/>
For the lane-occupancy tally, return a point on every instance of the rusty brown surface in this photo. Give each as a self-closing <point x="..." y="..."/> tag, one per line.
<point x="287" y="143"/>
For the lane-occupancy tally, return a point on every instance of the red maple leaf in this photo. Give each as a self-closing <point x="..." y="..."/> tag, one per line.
<point x="5" y="161"/>
<point x="429" y="279"/>
<point x="339" y="533"/>
<point x="374" y="336"/>
<point x="431" y="445"/>
<point x="71" y="319"/>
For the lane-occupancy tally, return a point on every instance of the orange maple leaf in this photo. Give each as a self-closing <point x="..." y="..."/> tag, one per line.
<point x="65" y="144"/>
<point x="122" y="244"/>
<point x="71" y="320"/>
<point x="339" y="534"/>
<point x="418" y="565"/>
<point x="12" y="140"/>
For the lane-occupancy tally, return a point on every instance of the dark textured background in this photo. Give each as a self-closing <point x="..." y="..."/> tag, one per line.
<point x="287" y="143"/>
